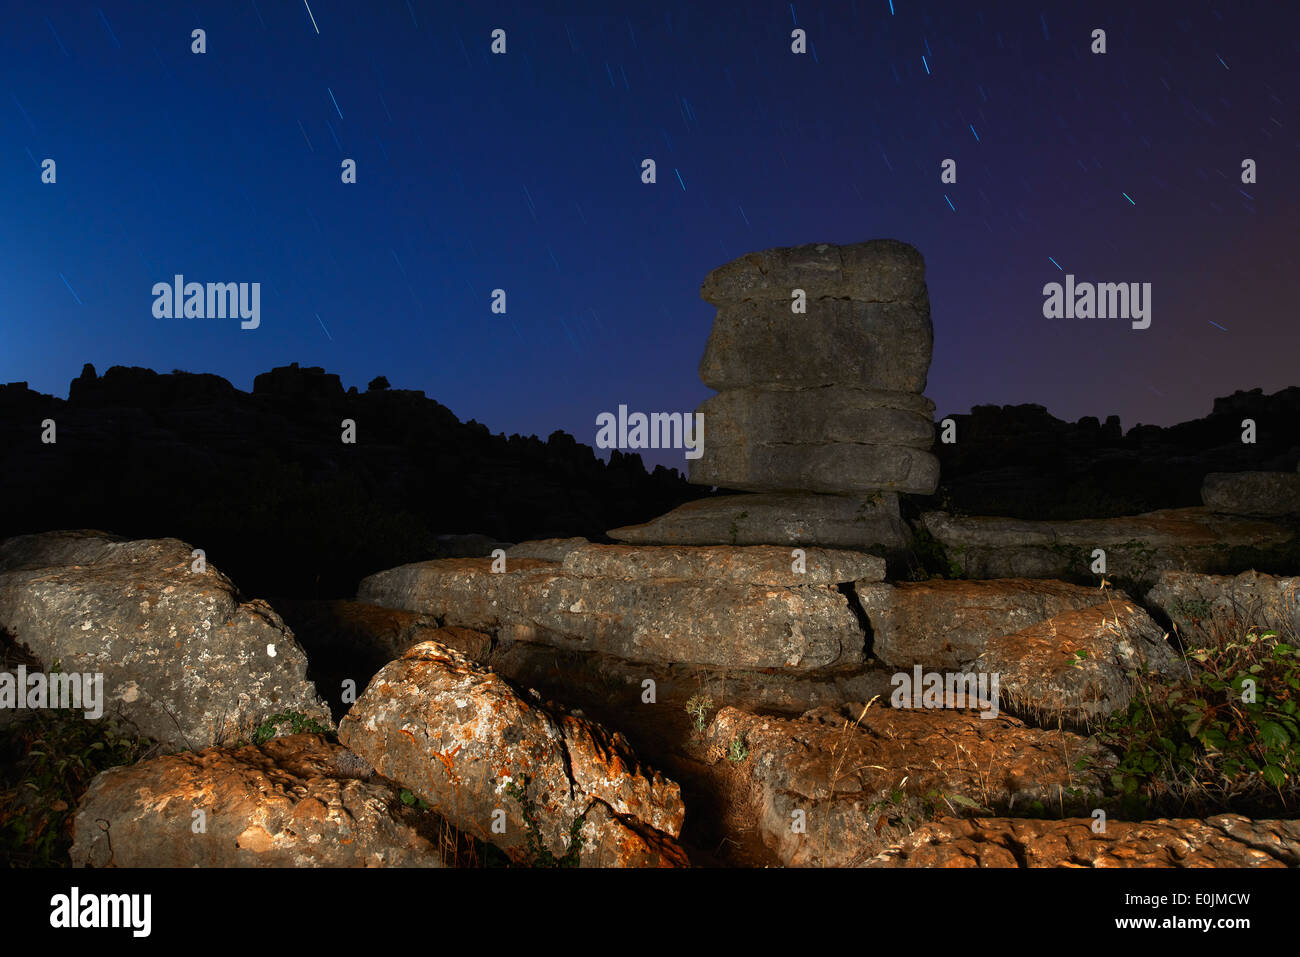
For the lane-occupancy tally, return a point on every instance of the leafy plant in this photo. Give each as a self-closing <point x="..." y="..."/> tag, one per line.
<point x="298" y="724"/>
<point x="1225" y="734"/>
<point x="410" y="800"/>
<point x="48" y="761"/>
<point x="737" y="750"/>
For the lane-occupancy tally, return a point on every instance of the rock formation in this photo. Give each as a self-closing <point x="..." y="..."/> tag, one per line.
<point x="182" y="656"/>
<point x="295" y="801"/>
<point x="461" y="738"/>
<point x="820" y="355"/>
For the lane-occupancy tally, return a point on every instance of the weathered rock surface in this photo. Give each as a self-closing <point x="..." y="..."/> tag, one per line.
<point x="295" y="801"/>
<point x="757" y="565"/>
<point x="1201" y="605"/>
<point x="1226" y="840"/>
<point x="777" y="518"/>
<point x="827" y="399"/>
<point x="458" y="736"/>
<point x="882" y="270"/>
<point x="860" y="785"/>
<point x="726" y="624"/>
<point x="547" y="549"/>
<point x="1077" y="666"/>
<point x="857" y="345"/>
<point x="182" y="657"/>
<point x="944" y="624"/>
<point x="753" y="464"/>
<point x="1252" y="493"/>
<point x="814" y="415"/>
<point x="1137" y="547"/>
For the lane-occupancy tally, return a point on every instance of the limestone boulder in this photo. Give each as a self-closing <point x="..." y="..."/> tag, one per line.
<point x="1204" y="608"/>
<point x="482" y="756"/>
<point x="295" y="801"/>
<point x="943" y="624"/>
<point x="182" y="655"/>
<point x="837" y="786"/>
<point x="870" y="521"/>
<point x="733" y="624"/>
<point x="1078" y="666"/>
<point x="1252" y="493"/>
<point x="1138" y="547"/>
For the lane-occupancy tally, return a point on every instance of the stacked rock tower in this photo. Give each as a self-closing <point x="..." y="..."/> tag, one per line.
<point x="819" y="408"/>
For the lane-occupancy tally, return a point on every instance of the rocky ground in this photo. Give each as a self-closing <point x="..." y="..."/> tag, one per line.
<point x="656" y="706"/>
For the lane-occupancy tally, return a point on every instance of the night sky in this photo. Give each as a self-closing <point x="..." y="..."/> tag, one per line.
<point x="523" y="172"/>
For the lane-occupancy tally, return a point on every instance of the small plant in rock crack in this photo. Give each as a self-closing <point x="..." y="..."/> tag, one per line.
<point x="698" y="707"/>
<point x="737" y="750"/>
<point x="410" y="800"/>
<point x="539" y="855"/>
<point x="297" y="724"/>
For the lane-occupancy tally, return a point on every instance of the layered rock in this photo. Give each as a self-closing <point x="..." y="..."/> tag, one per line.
<point x="945" y="624"/>
<point x="510" y="772"/>
<point x="182" y="657"/>
<point x="778" y="518"/>
<point x="722" y="606"/>
<point x="837" y="786"/>
<point x="1264" y="494"/>
<point x="295" y="801"/>
<point x="1206" y="608"/>
<point x="1138" y="547"/>
<point x="1078" y="666"/>
<point x="1226" y="840"/>
<point x="825" y="400"/>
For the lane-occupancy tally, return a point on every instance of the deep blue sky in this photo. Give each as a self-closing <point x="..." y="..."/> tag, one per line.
<point x="522" y="171"/>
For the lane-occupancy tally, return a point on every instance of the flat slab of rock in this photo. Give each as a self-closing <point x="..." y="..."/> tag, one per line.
<point x="944" y="624"/>
<point x="776" y="518"/>
<point x="547" y="549"/>
<point x="754" y="565"/>
<point x="836" y="468"/>
<point x="726" y="624"/>
<point x="1200" y="605"/>
<point x="295" y="801"/>
<point x="1137" y="546"/>
<point x="1078" y="666"/>
<point x="863" y="345"/>
<point x="459" y="736"/>
<point x="770" y="416"/>
<point x="182" y="656"/>
<point x="879" y="270"/>
<point x="1252" y="493"/>
<point x="1227" y="840"/>
<point x="860" y="786"/>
